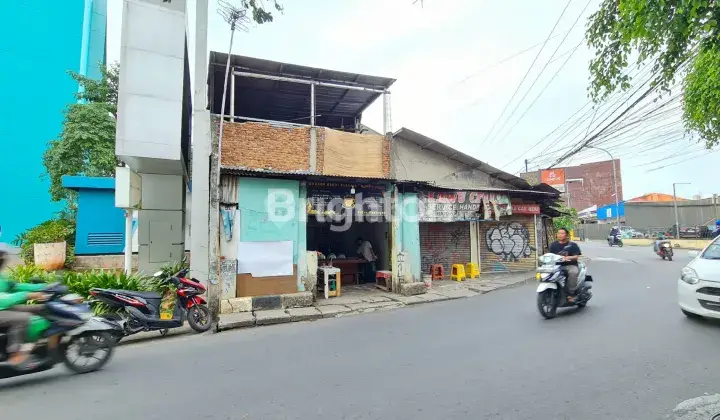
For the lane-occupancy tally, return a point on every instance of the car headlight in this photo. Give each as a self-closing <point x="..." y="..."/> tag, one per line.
<point x="689" y="276"/>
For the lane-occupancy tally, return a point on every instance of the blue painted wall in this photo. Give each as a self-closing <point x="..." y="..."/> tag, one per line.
<point x="609" y="212"/>
<point x="255" y="223"/>
<point x="100" y="225"/>
<point x="410" y="229"/>
<point x="33" y="101"/>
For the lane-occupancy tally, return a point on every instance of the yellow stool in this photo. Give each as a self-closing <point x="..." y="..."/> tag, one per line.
<point x="458" y="272"/>
<point x="472" y="270"/>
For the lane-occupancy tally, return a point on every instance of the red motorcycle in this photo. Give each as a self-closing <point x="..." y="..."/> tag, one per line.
<point x="140" y="311"/>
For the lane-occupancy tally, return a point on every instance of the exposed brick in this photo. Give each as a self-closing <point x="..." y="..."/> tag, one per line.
<point x="386" y="155"/>
<point x="263" y="146"/>
<point x="320" y="149"/>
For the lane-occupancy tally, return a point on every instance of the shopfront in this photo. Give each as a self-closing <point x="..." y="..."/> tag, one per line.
<point x="339" y="213"/>
<point x="449" y="225"/>
<point x="509" y="244"/>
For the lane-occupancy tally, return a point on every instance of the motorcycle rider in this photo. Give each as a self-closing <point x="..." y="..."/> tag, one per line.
<point x="571" y="253"/>
<point x="14" y="321"/>
<point x="614" y="234"/>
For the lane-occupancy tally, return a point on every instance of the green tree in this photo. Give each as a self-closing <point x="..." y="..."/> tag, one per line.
<point x="260" y="13"/>
<point x="87" y="142"/>
<point x="568" y="220"/>
<point x="668" y="33"/>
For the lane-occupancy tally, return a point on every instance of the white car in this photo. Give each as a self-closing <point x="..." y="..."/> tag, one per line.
<point x="699" y="283"/>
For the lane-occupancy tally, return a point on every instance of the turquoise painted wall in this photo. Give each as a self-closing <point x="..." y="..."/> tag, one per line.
<point x="410" y="231"/>
<point x="255" y="223"/>
<point x="31" y="111"/>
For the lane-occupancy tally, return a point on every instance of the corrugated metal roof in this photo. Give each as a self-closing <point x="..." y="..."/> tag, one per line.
<point x="288" y="101"/>
<point x="437" y="147"/>
<point x="295" y="174"/>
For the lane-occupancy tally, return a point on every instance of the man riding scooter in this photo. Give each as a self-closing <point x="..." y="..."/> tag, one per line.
<point x="614" y="236"/>
<point x="12" y="297"/>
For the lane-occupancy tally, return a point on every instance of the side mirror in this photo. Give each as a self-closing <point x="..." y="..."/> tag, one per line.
<point x="693" y="254"/>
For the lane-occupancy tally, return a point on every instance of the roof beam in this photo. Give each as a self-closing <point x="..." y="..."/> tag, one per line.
<point x="306" y="81"/>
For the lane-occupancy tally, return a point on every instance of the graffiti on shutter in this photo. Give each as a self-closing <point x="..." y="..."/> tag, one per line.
<point x="445" y="244"/>
<point x="508" y="245"/>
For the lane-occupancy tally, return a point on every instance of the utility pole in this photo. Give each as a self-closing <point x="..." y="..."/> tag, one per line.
<point x="677" y="218"/>
<point x="617" y="198"/>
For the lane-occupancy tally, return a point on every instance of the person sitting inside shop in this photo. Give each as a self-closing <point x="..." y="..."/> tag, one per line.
<point x="365" y="251"/>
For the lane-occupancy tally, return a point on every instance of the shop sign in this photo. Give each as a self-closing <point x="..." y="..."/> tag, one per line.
<point x="458" y="206"/>
<point x="554" y="178"/>
<point x="525" y="208"/>
<point x="337" y="198"/>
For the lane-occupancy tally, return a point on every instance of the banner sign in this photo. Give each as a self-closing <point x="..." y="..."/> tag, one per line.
<point x="554" y="178"/>
<point x="460" y="206"/>
<point x="525" y="208"/>
<point x="336" y="198"/>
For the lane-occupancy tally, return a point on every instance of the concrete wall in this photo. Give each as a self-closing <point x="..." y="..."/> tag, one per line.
<point x="411" y="162"/>
<point x="150" y="102"/>
<point x="652" y="215"/>
<point x="32" y="112"/>
<point x="410" y="231"/>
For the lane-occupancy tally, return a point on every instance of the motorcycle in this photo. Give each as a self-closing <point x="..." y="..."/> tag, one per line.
<point x="63" y="327"/>
<point x="664" y="250"/>
<point x="552" y="293"/>
<point x="140" y="311"/>
<point x="614" y="240"/>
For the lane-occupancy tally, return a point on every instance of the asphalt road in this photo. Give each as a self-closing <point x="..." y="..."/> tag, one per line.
<point x="630" y="354"/>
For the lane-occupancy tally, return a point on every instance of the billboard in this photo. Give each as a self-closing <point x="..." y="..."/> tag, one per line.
<point x="554" y="178"/>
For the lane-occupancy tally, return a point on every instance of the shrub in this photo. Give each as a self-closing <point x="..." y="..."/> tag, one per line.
<point x="25" y="273"/>
<point x="55" y="230"/>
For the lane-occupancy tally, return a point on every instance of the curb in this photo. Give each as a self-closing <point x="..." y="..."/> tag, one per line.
<point x="241" y="320"/>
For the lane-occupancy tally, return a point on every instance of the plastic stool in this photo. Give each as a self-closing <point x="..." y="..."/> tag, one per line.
<point x="383" y="280"/>
<point x="437" y="272"/>
<point x="472" y="270"/>
<point x="458" y="272"/>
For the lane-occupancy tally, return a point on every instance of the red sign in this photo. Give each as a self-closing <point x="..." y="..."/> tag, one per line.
<point x="525" y="209"/>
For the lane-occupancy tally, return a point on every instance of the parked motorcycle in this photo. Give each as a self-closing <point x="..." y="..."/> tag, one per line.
<point x="664" y="250"/>
<point x="64" y="330"/>
<point x="140" y="311"/>
<point x="552" y="293"/>
<point x="614" y="240"/>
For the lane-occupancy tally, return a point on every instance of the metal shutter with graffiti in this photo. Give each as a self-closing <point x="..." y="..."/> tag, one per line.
<point x="444" y="243"/>
<point x="508" y="245"/>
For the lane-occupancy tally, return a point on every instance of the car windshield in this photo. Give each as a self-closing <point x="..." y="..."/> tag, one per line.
<point x="712" y="252"/>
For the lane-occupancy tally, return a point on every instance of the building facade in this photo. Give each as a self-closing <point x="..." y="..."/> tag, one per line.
<point x="583" y="186"/>
<point x="66" y="35"/>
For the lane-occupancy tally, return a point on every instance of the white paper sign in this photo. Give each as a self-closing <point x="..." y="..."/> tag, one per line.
<point x="265" y="259"/>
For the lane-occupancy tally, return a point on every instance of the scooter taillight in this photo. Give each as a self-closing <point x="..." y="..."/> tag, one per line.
<point x="93" y="292"/>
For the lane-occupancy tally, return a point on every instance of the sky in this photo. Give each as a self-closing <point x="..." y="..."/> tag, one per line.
<point x="458" y="64"/>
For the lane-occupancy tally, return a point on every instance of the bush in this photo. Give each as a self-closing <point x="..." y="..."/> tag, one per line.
<point x="55" y="230"/>
<point x="25" y="273"/>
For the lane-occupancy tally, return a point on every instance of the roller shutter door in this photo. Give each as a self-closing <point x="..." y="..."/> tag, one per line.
<point x="444" y="243"/>
<point x="508" y="245"/>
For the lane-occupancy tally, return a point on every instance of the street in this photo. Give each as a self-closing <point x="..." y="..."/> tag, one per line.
<point x="630" y="354"/>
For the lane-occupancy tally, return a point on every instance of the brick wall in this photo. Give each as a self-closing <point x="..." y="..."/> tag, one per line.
<point x="262" y="146"/>
<point x="597" y="187"/>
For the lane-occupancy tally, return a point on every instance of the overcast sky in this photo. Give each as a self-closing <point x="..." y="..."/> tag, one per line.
<point x="450" y="58"/>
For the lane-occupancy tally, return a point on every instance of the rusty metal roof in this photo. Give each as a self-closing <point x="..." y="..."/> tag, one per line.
<point x="300" y="174"/>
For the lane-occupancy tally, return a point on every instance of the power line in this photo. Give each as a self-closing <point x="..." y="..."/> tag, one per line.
<point x="527" y="72"/>
<point x="541" y="71"/>
<point x="681" y="161"/>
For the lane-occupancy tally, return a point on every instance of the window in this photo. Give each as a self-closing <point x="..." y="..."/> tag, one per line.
<point x="712" y="252"/>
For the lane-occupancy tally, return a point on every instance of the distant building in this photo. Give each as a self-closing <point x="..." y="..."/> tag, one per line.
<point x="583" y="186"/>
<point x="44" y="39"/>
<point x="654" y="198"/>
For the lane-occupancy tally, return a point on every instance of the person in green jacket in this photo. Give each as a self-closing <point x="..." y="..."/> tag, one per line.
<point x="16" y="322"/>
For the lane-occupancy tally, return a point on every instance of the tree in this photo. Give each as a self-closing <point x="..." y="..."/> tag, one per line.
<point x="671" y="34"/>
<point x="568" y="220"/>
<point x="260" y="13"/>
<point x="87" y="142"/>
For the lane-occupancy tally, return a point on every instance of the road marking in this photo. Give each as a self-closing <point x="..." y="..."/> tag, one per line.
<point x="608" y="259"/>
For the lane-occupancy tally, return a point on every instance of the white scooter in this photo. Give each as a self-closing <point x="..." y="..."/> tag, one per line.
<point x="552" y="293"/>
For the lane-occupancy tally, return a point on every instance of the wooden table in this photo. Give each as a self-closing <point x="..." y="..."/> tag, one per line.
<point x="350" y="269"/>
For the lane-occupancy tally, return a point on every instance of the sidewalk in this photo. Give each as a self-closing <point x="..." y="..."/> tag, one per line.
<point x="355" y="300"/>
